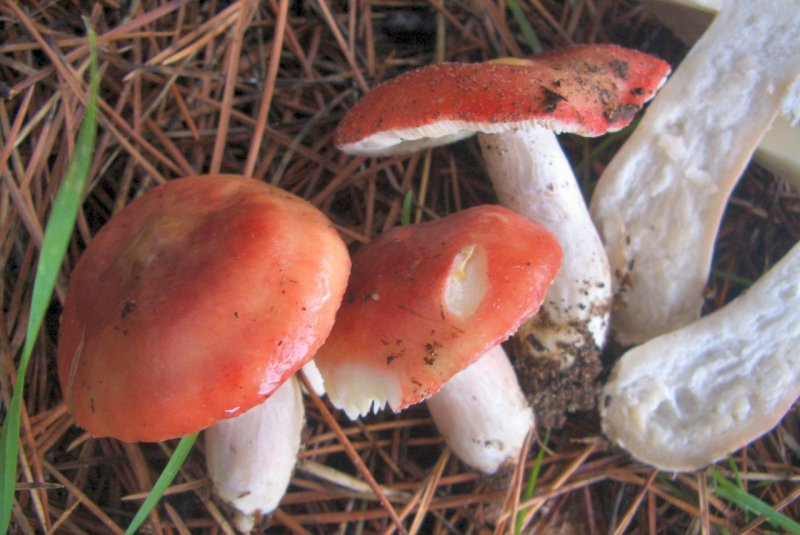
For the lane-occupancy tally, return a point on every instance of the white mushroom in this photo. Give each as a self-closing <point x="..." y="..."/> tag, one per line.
<point x="688" y="398"/>
<point x="659" y="202"/>
<point x="777" y="151"/>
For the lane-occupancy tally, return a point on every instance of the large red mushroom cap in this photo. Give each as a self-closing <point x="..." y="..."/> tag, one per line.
<point x="584" y="89"/>
<point x="193" y="304"/>
<point x="426" y="301"/>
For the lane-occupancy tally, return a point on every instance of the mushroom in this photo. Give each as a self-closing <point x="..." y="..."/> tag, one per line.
<point x="777" y="150"/>
<point x="515" y="105"/>
<point x="426" y="301"/>
<point x="688" y="398"/>
<point x="194" y="304"/>
<point x="659" y="202"/>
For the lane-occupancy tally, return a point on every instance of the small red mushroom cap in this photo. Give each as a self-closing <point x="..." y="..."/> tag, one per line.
<point x="426" y="301"/>
<point x="193" y="304"/>
<point x="584" y="89"/>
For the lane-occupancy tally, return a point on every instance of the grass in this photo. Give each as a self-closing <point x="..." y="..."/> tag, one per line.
<point x="530" y="486"/>
<point x="531" y="39"/>
<point x="179" y="95"/>
<point x="54" y="246"/>
<point x="736" y="495"/>
<point x="164" y="480"/>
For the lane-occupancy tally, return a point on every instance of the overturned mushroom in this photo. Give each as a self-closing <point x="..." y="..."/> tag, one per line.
<point x="515" y="105"/>
<point x="777" y="150"/>
<point x="426" y="301"/>
<point x="659" y="202"/>
<point x="688" y="398"/>
<point x="193" y="305"/>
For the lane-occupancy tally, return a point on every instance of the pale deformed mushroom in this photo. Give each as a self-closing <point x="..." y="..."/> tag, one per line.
<point x="189" y="308"/>
<point x="777" y="150"/>
<point x="688" y="398"/>
<point x="426" y="301"/>
<point x="515" y="105"/>
<point x="659" y="202"/>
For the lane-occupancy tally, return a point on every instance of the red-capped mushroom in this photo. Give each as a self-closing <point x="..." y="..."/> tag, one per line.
<point x="515" y="105"/>
<point x="585" y="89"/>
<point x="193" y="304"/>
<point x="426" y="301"/>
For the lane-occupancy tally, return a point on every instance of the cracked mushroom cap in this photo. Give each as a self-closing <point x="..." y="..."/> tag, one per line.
<point x="584" y="89"/>
<point x="193" y="304"/>
<point x="426" y="301"/>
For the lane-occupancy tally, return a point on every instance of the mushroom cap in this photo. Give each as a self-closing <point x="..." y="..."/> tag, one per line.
<point x="584" y="89"/>
<point x="425" y="301"/>
<point x="193" y="304"/>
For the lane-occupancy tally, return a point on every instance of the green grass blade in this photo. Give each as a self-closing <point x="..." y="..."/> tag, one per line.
<point x="739" y="483"/>
<point x="532" y="479"/>
<point x="164" y="480"/>
<point x="527" y="30"/>
<point x="405" y="213"/>
<point x="54" y="246"/>
<point x="733" y="278"/>
<point x="730" y="492"/>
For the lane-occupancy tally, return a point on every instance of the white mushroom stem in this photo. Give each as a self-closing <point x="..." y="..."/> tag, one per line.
<point x="532" y="176"/>
<point x="777" y="151"/>
<point x="251" y="457"/>
<point x="688" y="398"/>
<point x="482" y="413"/>
<point x="659" y="202"/>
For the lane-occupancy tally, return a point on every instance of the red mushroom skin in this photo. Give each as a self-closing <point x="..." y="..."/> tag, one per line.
<point x="193" y="304"/>
<point x="398" y="337"/>
<point x="584" y="89"/>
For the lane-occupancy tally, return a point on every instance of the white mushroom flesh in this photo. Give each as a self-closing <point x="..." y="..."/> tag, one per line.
<point x="688" y="398"/>
<point x="251" y="457"/>
<point x="482" y="413"/>
<point x="532" y="176"/>
<point x="467" y="282"/>
<point x="659" y="202"/>
<point x="777" y="151"/>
